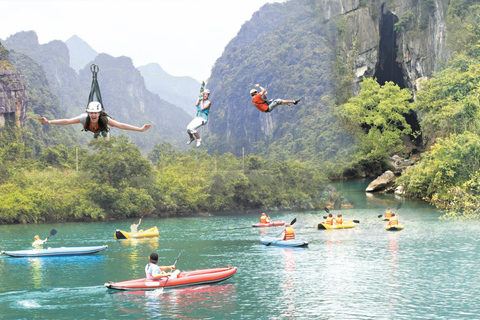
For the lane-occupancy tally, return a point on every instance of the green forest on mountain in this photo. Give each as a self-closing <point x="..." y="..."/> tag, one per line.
<point x="45" y="177"/>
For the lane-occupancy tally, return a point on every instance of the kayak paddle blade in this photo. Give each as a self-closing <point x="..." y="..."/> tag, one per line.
<point x="326" y="209"/>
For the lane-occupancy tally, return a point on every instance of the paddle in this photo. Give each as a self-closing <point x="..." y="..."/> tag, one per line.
<point x="174" y="264"/>
<point x="52" y="233"/>
<point x="291" y="223"/>
<point x="328" y="211"/>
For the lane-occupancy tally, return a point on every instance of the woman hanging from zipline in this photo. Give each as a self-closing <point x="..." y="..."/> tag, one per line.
<point x="97" y="121"/>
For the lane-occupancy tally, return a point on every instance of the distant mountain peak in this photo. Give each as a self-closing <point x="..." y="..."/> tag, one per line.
<point x="81" y="53"/>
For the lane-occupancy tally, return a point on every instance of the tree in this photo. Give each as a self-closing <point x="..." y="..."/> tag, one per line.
<point x="377" y="116"/>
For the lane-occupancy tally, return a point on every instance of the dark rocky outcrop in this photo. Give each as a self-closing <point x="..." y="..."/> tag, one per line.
<point x="13" y="98"/>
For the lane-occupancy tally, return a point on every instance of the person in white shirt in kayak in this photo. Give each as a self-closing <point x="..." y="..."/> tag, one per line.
<point x="155" y="272"/>
<point x="134" y="227"/>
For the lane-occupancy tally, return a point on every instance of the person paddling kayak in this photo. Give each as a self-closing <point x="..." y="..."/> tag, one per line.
<point x="288" y="233"/>
<point x="134" y="226"/>
<point x="153" y="271"/>
<point x="38" y="243"/>
<point x="388" y="213"/>
<point x="339" y="219"/>
<point x="264" y="218"/>
<point x="330" y="219"/>
<point x="393" y="220"/>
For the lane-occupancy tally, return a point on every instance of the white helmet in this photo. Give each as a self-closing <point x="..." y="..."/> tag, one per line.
<point x="94" y="106"/>
<point x="206" y="91"/>
<point x="253" y="91"/>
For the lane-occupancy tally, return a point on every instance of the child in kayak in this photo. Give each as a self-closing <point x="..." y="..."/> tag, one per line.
<point x="155" y="272"/>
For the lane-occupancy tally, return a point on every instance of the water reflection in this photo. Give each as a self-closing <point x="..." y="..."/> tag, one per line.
<point x="35" y="265"/>
<point x="133" y="255"/>
<point x="195" y="300"/>
<point x="288" y="285"/>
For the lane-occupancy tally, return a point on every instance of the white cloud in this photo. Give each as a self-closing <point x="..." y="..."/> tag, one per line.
<point x="184" y="36"/>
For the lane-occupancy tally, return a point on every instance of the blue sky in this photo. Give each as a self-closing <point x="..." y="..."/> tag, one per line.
<point x="184" y="36"/>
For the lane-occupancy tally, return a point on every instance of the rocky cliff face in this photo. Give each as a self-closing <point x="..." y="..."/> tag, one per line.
<point x="403" y="42"/>
<point x="13" y="98"/>
<point x="297" y="48"/>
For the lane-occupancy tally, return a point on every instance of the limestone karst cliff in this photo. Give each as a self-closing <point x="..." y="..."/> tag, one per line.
<point x="319" y="51"/>
<point x="13" y="98"/>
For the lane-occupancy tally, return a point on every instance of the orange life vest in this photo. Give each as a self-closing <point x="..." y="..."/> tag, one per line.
<point x="393" y="221"/>
<point x="339" y="220"/>
<point x="263" y="219"/>
<point x="289" y="233"/>
<point x="388" y="214"/>
<point x="329" y="220"/>
<point x="259" y="102"/>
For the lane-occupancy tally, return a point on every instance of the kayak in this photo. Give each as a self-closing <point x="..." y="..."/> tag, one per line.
<point x="269" y="224"/>
<point x="62" y="251"/>
<point x="397" y="227"/>
<point x="184" y="279"/>
<point x="283" y="243"/>
<point x="149" y="233"/>
<point x="346" y="225"/>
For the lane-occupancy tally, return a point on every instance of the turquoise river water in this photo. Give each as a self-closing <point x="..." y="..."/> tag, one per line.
<point x="427" y="271"/>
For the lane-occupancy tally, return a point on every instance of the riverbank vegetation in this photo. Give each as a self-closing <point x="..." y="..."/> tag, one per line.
<point x="114" y="181"/>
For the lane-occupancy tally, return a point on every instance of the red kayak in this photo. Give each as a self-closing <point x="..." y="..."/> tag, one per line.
<point x="185" y="278"/>
<point x="269" y="224"/>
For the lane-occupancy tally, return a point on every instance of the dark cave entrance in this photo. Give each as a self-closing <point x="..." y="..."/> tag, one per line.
<point x="389" y="69"/>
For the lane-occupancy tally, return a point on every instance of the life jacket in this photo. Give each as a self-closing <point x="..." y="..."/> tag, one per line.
<point x="388" y="214"/>
<point x="339" y="220"/>
<point x="289" y="233"/>
<point x="263" y="219"/>
<point x="329" y="220"/>
<point x="259" y="102"/>
<point x="203" y="113"/>
<point x="38" y="244"/>
<point x="393" y="221"/>
<point x="102" y="123"/>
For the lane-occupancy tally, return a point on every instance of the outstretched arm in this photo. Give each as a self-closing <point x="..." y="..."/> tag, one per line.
<point x="60" y="121"/>
<point x="262" y="89"/>
<point x="125" y="126"/>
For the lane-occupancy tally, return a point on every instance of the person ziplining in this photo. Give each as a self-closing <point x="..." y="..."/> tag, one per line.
<point x="95" y="119"/>
<point x="265" y="105"/>
<point x="203" y="110"/>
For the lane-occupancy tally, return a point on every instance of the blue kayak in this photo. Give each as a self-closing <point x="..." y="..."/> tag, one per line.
<point x="283" y="243"/>
<point x="62" y="251"/>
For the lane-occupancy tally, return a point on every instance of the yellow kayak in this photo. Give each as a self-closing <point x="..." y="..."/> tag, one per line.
<point x="149" y="233"/>
<point x="397" y="227"/>
<point x="346" y="225"/>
